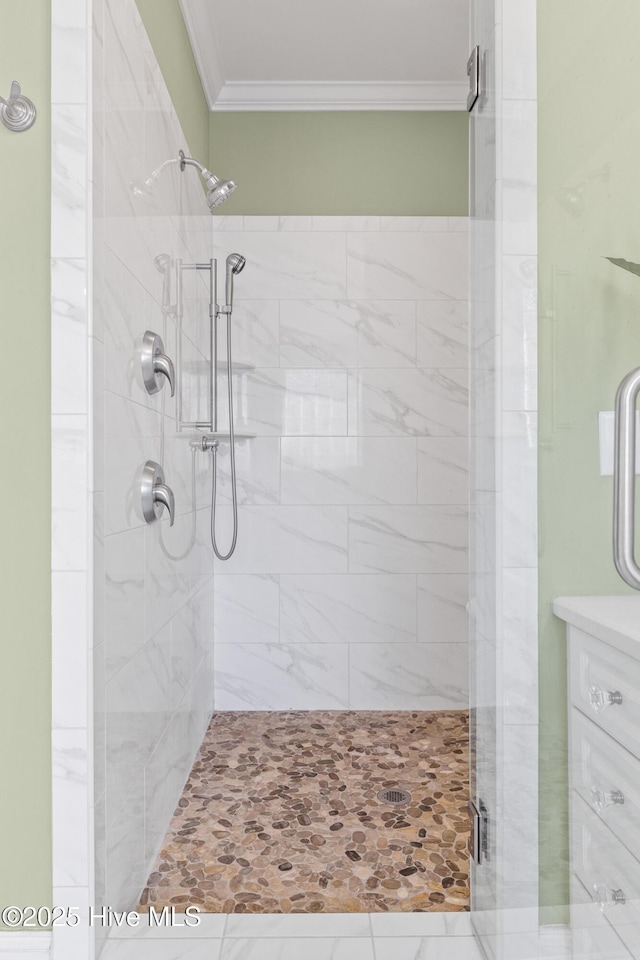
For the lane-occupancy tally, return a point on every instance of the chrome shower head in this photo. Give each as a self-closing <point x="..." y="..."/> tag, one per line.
<point x="217" y="190"/>
<point x="162" y="262"/>
<point x="235" y="264"/>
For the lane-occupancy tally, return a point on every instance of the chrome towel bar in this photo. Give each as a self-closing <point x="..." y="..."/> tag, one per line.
<point x="624" y="480"/>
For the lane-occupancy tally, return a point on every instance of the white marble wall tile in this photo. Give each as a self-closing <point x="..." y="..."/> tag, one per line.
<point x="69" y="624"/>
<point x="428" y="948"/>
<point x="318" y="333"/>
<point x="69" y="943"/>
<point x="70" y="807"/>
<point x="520" y="654"/>
<point x="290" y="266"/>
<point x="414" y="224"/>
<point x="520" y="806"/>
<point x="164" y="777"/>
<point x="408" y="539"/>
<point x="124" y="57"/>
<point x="187" y="651"/>
<point x="519" y="160"/>
<point x="421" y="924"/>
<point x="257" y="472"/>
<point x="330" y="333"/>
<point x="347" y="609"/>
<point x="69" y="51"/>
<point x="296" y="224"/>
<point x="386" y="333"/>
<point x="389" y="676"/>
<point x="212" y="926"/>
<point x="285" y="539"/>
<point x="169" y="573"/>
<point x="519" y="335"/>
<point x="408" y="402"/>
<point x="442" y="614"/>
<point x="68" y="181"/>
<point x="138" y="704"/>
<point x="97" y="586"/>
<point x="459" y="224"/>
<point x="443" y="333"/>
<point x="226" y="224"/>
<point x="351" y="948"/>
<point x="123" y="301"/>
<point x="69" y="468"/>
<point x="178" y="949"/>
<point x="443" y="470"/>
<point x="292" y="403"/>
<point x="413" y="266"/>
<point x="520" y="485"/>
<point x="132" y="434"/>
<point x="342" y="224"/>
<point x="68" y="336"/>
<point x="126" y="868"/>
<point x="247" y="609"/>
<point x="255" y="332"/>
<point x="281" y="677"/>
<point x="262" y="224"/>
<point x="349" y="470"/>
<point x="249" y="926"/>
<point x="97" y="463"/>
<point x="124" y="577"/>
<point x="518" y="51"/>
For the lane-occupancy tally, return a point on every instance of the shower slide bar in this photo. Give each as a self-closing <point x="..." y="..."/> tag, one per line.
<point x="624" y="480"/>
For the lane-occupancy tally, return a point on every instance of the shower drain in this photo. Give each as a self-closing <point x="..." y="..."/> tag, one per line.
<point x="394" y="796"/>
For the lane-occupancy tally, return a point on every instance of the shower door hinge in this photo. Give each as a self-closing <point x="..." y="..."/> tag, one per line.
<point x="473" y="72"/>
<point x="479" y="837"/>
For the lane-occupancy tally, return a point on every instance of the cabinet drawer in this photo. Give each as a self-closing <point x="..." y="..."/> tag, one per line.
<point x="608" y="777"/>
<point x="599" y="677"/>
<point x="592" y="937"/>
<point x="607" y="871"/>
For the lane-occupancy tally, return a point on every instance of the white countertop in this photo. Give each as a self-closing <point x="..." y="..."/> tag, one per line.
<point x="614" y="620"/>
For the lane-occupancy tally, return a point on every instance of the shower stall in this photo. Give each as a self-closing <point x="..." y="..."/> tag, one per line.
<point x="278" y="492"/>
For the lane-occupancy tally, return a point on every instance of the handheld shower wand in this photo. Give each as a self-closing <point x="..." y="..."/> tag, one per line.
<point x="235" y="264"/>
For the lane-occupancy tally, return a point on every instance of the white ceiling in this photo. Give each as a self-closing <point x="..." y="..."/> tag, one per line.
<point x="330" y="54"/>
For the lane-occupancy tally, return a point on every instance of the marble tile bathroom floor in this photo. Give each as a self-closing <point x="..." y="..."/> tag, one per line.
<point x="281" y="815"/>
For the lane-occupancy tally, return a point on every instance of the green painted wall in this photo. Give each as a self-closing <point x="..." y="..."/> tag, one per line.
<point x="343" y="163"/>
<point x="25" y="703"/>
<point x="164" y="24"/>
<point x="589" y="143"/>
<point x="392" y="162"/>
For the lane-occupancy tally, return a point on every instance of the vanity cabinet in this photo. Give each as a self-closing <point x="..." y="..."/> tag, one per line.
<point x="603" y="646"/>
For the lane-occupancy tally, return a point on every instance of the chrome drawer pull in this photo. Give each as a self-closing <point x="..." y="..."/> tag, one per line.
<point x="601" y="799"/>
<point x="608" y="898"/>
<point x="599" y="699"/>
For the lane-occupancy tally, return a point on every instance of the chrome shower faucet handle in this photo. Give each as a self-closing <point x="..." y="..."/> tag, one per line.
<point x="17" y="112"/>
<point x="155" y="364"/>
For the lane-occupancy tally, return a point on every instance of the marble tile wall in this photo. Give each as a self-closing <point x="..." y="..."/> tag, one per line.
<point x="72" y="492"/>
<point x="503" y="470"/>
<point x="348" y="587"/>
<point x="153" y="585"/>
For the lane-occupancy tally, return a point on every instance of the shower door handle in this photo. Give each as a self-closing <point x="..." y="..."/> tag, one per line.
<point x="624" y="480"/>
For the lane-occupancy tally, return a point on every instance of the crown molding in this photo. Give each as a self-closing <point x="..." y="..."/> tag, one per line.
<point x="230" y="95"/>
<point x="198" y="20"/>
<point x="32" y="945"/>
<point x="336" y="95"/>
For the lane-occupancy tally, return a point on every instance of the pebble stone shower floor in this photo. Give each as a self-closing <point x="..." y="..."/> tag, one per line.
<point x="281" y="815"/>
